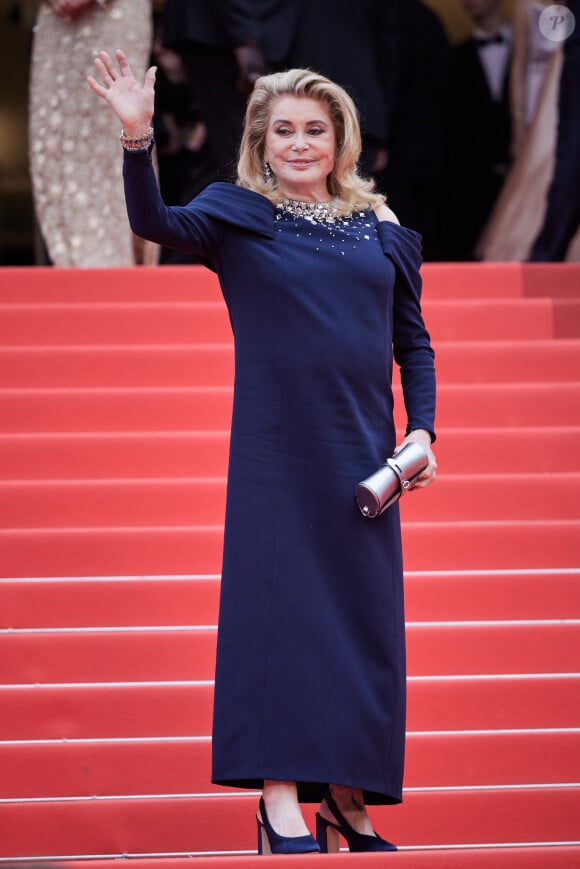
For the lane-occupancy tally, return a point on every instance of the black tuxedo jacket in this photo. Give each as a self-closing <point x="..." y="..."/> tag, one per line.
<point x="477" y="150"/>
<point x="479" y="127"/>
<point x="341" y="39"/>
<point x="228" y="23"/>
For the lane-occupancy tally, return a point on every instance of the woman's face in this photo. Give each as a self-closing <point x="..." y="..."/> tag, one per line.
<point x="300" y="147"/>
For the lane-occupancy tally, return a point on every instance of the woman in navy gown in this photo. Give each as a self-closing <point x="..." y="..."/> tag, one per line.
<point x="323" y="289"/>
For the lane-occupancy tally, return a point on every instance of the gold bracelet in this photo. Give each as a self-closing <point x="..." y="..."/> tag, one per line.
<point x="136" y="143"/>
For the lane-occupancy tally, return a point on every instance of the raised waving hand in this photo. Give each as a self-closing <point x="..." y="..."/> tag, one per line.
<point x="132" y="103"/>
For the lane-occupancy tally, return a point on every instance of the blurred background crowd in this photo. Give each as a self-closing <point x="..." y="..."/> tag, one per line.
<point x="469" y="109"/>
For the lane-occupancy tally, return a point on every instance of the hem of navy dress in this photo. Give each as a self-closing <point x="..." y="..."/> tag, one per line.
<point x="311" y="792"/>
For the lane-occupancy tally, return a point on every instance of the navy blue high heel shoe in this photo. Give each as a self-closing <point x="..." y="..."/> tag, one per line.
<point x="327" y="833"/>
<point x="270" y="842"/>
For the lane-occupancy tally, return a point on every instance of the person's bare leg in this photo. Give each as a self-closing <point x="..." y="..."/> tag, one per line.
<point x="350" y="802"/>
<point x="283" y="808"/>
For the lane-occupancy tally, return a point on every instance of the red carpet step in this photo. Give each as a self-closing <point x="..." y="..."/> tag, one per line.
<point x="105" y="710"/>
<point x="201" y="321"/>
<point x="518" y="858"/>
<point x="123" y="602"/>
<point x="182" y="284"/>
<point x="467" y="759"/>
<point x="115" y="402"/>
<point x="157" y="549"/>
<point x="176" y="454"/>
<point x="172" y="365"/>
<point x="227" y="823"/>
<point x="158" y="409"/>
<point x="201" y="500"/>
<point x="189" y="654"/>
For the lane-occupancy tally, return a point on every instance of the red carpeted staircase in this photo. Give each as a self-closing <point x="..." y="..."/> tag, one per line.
<point x="115" y="395"/>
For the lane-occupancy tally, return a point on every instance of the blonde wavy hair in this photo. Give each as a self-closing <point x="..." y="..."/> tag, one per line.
<point x="344" y="183"/>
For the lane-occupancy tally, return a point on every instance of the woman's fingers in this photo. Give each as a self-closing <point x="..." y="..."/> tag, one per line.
<point x="96" y="87"/>
<point x="115" y="83"/>
<point x="423" y="438"/>
<point x="124" y="64"/>
<point x="428" y="475"/>
<point x="150" y="75"/>
<point x="424" y="479"/>
<point x="106" y="67"/>
<point x="103" y="67"/>
<point x="107" y="72"/>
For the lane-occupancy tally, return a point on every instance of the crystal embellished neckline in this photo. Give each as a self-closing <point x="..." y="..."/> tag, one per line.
<point x="325" y="212"/>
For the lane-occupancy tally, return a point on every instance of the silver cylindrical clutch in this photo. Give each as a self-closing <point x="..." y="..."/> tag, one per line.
<point x="391" y="480"/>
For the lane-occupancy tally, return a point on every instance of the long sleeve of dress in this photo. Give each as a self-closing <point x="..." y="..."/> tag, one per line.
<point x="200" y="226"/>
<point x="185" y="228"/>
<point x="411" y="341"/>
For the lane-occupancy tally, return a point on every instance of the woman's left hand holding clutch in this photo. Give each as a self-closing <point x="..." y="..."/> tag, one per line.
<point x="423" y="438"/>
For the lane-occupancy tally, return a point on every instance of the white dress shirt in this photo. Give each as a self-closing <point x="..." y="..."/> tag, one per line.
<point x="494" y="57"/>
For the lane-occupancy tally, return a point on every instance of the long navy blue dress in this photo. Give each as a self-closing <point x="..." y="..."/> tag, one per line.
<point x="310" y="679"/>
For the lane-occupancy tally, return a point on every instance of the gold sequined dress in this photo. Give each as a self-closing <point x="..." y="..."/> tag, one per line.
<point x="75" y="158"/>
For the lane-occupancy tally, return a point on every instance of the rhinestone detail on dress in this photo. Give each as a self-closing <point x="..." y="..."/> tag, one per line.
<point x="316" y="212"/>
<point x="340" y="235"/>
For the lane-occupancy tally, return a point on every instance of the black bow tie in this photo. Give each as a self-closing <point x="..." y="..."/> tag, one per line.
<point x="481" y="41"/>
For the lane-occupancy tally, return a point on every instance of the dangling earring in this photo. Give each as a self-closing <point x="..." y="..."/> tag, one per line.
<point x="267" y="171"/>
